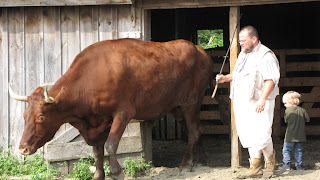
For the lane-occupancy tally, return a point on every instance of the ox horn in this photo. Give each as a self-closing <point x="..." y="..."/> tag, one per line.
<point x="16" y="96"/>
<point x="48" y="98"/>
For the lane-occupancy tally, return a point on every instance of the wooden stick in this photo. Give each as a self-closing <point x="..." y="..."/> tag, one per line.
<point x="215" y="90"/>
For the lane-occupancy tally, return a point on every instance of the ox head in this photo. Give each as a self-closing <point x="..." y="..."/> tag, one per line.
<point x="41" y="119"/>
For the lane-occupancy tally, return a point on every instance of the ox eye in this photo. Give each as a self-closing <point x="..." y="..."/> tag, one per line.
<point x="41" y="118"/>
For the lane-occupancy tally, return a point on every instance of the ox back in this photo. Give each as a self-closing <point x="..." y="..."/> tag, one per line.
<point x="149" y="78"/>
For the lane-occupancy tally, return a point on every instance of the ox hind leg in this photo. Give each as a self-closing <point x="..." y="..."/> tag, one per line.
<point x="199" y="153"/>
<point x="119" y="124"/>
<point x="191" y="116"/>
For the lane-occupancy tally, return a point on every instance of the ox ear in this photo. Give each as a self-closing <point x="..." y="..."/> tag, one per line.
<point x="60" y="95"/>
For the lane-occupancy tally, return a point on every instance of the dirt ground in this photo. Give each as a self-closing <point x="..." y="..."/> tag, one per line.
<point x="167" y="156"/>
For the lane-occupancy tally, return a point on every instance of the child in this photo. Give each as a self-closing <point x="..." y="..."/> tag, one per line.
<point x="295" y="117"/>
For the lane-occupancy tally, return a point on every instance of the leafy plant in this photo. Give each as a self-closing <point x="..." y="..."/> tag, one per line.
<point x="205" y="35"/>
<point x="36" y="167"/>
<point x="136" y="167"/>
<point x="81" y="169"/>
<point x="106" y="168"/>
<point x="9" y="164"/>
<point x="3" y="178"/>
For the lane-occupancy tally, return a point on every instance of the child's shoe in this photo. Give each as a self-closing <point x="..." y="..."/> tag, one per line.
<point x="298" y="167"/>
<point x="285" y="166"/>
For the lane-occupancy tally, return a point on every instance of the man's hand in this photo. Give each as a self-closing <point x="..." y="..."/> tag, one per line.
<point x="260" y="105"/>
<point x="223" y="78"/>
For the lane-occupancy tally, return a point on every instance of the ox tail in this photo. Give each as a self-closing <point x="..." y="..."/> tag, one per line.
<point x="205" y="54"/>
<point x="211" y="87"/>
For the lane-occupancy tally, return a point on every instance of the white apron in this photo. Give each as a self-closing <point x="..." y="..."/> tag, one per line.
<point x="254" y="129"/>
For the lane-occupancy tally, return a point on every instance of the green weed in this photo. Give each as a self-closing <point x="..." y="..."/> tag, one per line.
<point x="106" y="168"/>
<point x="81" y="169"/>
<point x="3" y="178"/>
<point x="37" y="168"/>
<point x="135" y="168"/>
<point x="14" y="165"/>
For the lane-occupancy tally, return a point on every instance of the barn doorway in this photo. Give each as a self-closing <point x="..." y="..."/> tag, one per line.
<point x="190" y="24"/>
<point x="282" y="27"/>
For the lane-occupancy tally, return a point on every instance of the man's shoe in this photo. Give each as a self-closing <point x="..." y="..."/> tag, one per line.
<point x="270" y="165"/>
<point x="254" y="170"/>
<point x="298" y="167"/>
<point x="285" y="166"/>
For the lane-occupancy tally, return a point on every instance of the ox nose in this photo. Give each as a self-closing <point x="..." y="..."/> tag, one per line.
<point x="24" y="150"/>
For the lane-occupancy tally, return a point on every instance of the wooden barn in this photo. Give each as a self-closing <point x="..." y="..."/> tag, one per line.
<point x="40" y="38"/>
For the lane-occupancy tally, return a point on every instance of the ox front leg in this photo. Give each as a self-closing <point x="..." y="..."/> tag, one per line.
<point x="119" y="124"/>
<point x="98" y="152"/>
<point x="193" y="125"/>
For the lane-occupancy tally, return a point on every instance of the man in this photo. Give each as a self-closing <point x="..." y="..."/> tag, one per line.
<point x="254" y="89"/>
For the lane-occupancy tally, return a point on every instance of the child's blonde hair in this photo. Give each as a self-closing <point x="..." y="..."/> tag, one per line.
<point x="291" y="97"/>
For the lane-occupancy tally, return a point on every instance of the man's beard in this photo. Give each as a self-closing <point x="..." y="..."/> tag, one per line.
<point x="249" y="49"/>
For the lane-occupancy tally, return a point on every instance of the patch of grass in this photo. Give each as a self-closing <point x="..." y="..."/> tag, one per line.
<point x="106" y="168"/>
<point x="37" y="169"/>
<point x="136" y="167"/>
<point x="81" y="169"/>
<point x="36" y="166"/>
<point x="3" y="178"/>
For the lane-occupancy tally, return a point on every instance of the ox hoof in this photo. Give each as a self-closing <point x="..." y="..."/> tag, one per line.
<point x="98" y="176"/>
<point x="118" y="177"/>
<point x="184" y="170"/>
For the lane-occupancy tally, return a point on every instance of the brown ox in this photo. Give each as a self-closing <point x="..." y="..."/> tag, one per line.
<point x="111" y="82"/>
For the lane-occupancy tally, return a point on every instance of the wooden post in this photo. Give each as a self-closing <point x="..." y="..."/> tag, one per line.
<point x="234" y="16"/>
<point x="276" y="129"/>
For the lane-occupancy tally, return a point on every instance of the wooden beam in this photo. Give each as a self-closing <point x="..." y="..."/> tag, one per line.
<point x="234" y="17"/>
<point x="208" y="99"/>
<point x="81" y="149"/>
<point x="215" y="129"/>
<point x="312" y="112"/>
<point x="282" y="61"/>
<point x="302" y="66"/>
<point x="208" y="115"/>
<point x="165" y="4"/>
<point x="299" y="81"/>
<point x="302" y="51"/>
<point x="310" y="130"/>
<point x="15" y="3"/>
<point x="276" y="127"/>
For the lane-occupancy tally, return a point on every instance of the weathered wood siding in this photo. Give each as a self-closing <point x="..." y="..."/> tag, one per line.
<point x="38" y="44"/>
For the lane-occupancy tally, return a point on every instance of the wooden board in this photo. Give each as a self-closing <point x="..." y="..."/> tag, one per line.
<point x="131" y="142"/>
<point x="234" y="16"/>
<point x="88" y="26"/>
<point x="215" y="129"/>
<point x="16" y="74"/>
<point x="4" y="79"/>
<point x="70" y="37"/>
<point x="106" y="22"/>
<point x="12" y="3"/>
<point x="171" y="127"/>
<point x="166" y="4"/>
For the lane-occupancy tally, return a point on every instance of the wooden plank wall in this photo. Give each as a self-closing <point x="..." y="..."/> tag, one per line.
<point x="299" y="71"/>
<point x="37" y="45"/>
